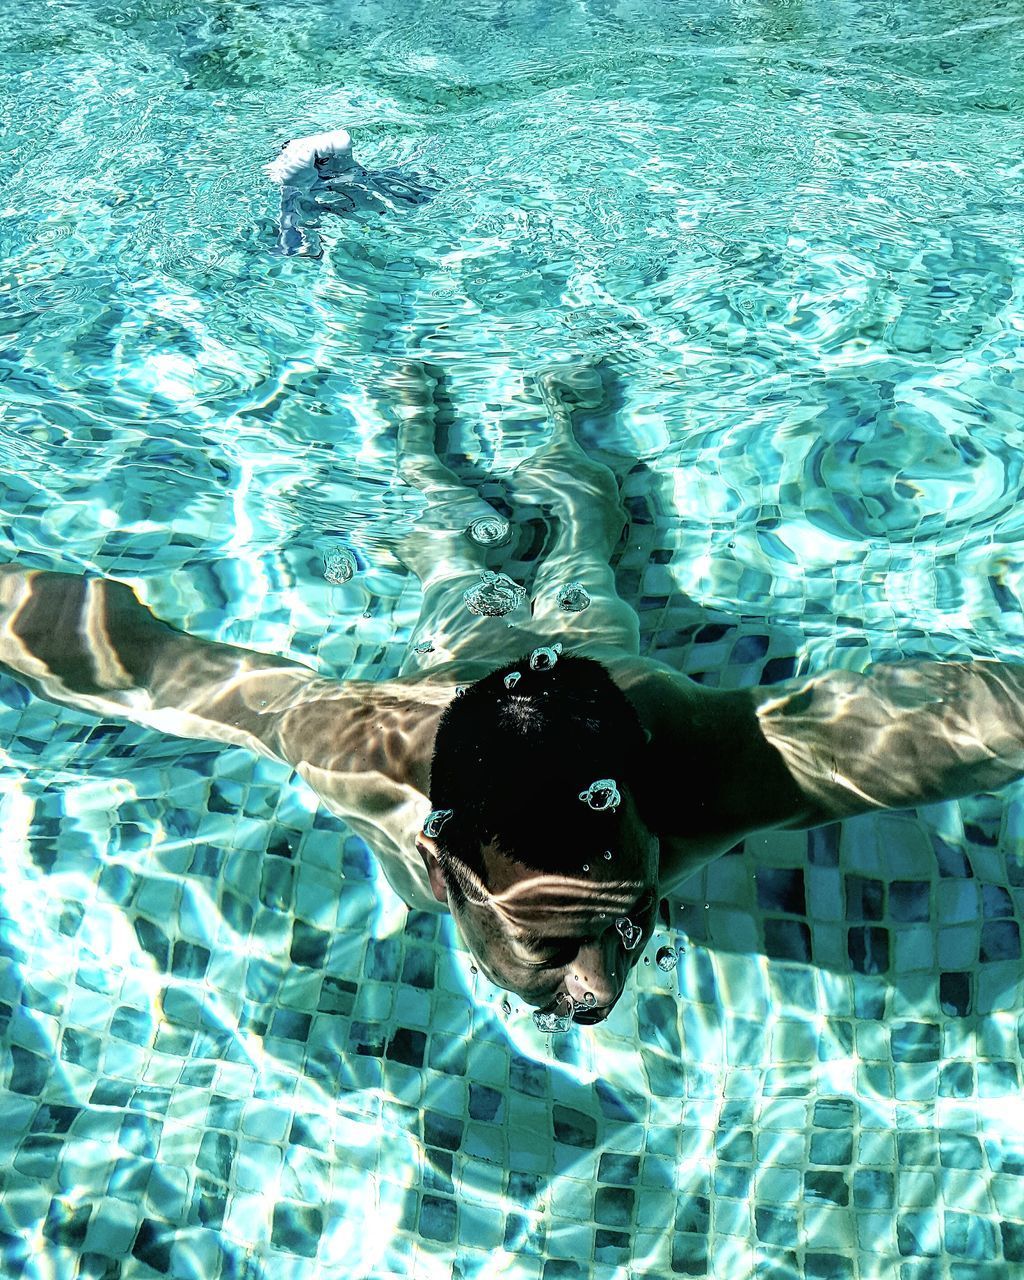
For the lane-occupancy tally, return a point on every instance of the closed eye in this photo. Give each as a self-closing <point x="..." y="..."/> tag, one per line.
<point x="555" y="957"/>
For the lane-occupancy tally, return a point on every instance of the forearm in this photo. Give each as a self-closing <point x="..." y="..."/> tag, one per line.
<point x="92" y="644"/>
<point x="899" y="736"/>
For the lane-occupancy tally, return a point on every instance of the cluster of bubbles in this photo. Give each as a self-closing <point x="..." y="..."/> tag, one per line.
<point x="602" y="795"/>
<point x="494" y="596"/>
<point x="573" y="597"/>
<point x="556" y="1020"/>
<point x="489" y="531"/>
<point x="339" y="564"/>
<point x="436" y="819"/>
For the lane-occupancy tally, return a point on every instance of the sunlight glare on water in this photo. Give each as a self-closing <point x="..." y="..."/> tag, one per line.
<point x="786" y="240"/>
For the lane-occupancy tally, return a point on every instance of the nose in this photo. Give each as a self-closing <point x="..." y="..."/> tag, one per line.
<point x="595" y="978"/>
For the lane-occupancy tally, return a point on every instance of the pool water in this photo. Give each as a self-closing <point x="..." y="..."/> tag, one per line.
<point x="790" y="235"/>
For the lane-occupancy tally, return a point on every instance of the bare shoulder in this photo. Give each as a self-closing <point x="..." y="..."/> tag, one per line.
<point x="718" y="777"/>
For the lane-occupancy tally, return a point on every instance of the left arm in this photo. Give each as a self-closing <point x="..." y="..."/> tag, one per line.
<point x="898" y="736"/>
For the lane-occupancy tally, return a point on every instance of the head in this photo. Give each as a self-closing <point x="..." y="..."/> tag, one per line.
<point x="523" y="862"/>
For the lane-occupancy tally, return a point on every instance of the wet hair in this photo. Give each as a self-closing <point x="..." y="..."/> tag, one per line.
<point x="511" y="763"/>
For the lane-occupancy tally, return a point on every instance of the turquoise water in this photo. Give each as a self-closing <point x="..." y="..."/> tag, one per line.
<point x="793" y="236"/>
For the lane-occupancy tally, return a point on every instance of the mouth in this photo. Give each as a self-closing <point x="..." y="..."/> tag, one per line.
<point x="588" y="1017"/>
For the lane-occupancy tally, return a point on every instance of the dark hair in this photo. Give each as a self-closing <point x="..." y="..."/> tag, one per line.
<point x="511" y="762"/>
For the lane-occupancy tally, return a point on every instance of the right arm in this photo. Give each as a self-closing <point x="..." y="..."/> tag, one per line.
<point x="90" y="643"/>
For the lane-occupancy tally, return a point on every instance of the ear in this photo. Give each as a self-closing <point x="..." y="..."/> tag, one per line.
<point x="427" y="849"/>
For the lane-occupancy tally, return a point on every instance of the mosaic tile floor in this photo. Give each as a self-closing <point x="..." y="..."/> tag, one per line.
<point x="228" y="1050"/>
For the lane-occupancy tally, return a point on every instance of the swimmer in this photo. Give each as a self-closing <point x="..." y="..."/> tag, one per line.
<point x="549" y="805"/>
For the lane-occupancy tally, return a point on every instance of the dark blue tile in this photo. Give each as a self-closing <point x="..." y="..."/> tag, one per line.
<point x="574" y="1128"/>
<point x="955" y="993"/>
<point x="915" y="1042"/>
<point x="868" y="948"/>
<point x="1000" y="940"/>
<point x="865" y="898"/>
<point x="297" y="1229"/>
<point x="438" y="1218"/>
<point x="781" y="889"/>
<point x="909" y="900"/>
<point x="787" y="939"/>
<point x="776" y="1226"/>
<point x="613" y="1206"/>
<point x="621" y="1169"/>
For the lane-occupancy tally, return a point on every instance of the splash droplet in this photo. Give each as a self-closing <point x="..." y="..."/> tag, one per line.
<point x="573" y="597"/>
<point x="602" y="794"/>
<point x="339" y="564"/>
<point x="628" y="932"/>
<point x="666" y="959"/>
<point x="494" y="596"/>
<point x="512" y="679"/>
<point x="489" y="531"/>
<point x="544" y="658"/>
<point x="435" y="821"/>
<point x="556" y="1020"/>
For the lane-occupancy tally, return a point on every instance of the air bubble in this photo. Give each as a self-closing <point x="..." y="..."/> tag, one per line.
<point x="494" y="596"/>
<point x="586" y="866"/>
<point x="512" y="679"/>
<point x="553" y="1022"/>
<point x="460" y="690"/>
<point x="426" y="647"/>
<point x="339" y="564"/>
<point x="473" y="969"/>
<point x="628" y="932"/>
<point x="544" y="658"/>
<point x="489" y="531"/>
<point x="589" y="999"/>
<point x="607" y="855"/>
<point x="435" y="821"/>
<point x="573" y="597"/>
<point x="602" y="794"/>
<point x="666" y="959"/>
<point x="506" y="1008"/>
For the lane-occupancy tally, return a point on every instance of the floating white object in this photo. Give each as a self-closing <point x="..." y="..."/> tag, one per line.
<point x="301" y="155"/>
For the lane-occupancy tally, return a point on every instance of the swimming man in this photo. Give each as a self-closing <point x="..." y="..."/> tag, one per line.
<point x="548" y="798"/>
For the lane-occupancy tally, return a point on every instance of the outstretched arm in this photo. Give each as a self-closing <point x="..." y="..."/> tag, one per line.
<point x="898" y="736"/>
<point x="90" y="643"/>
